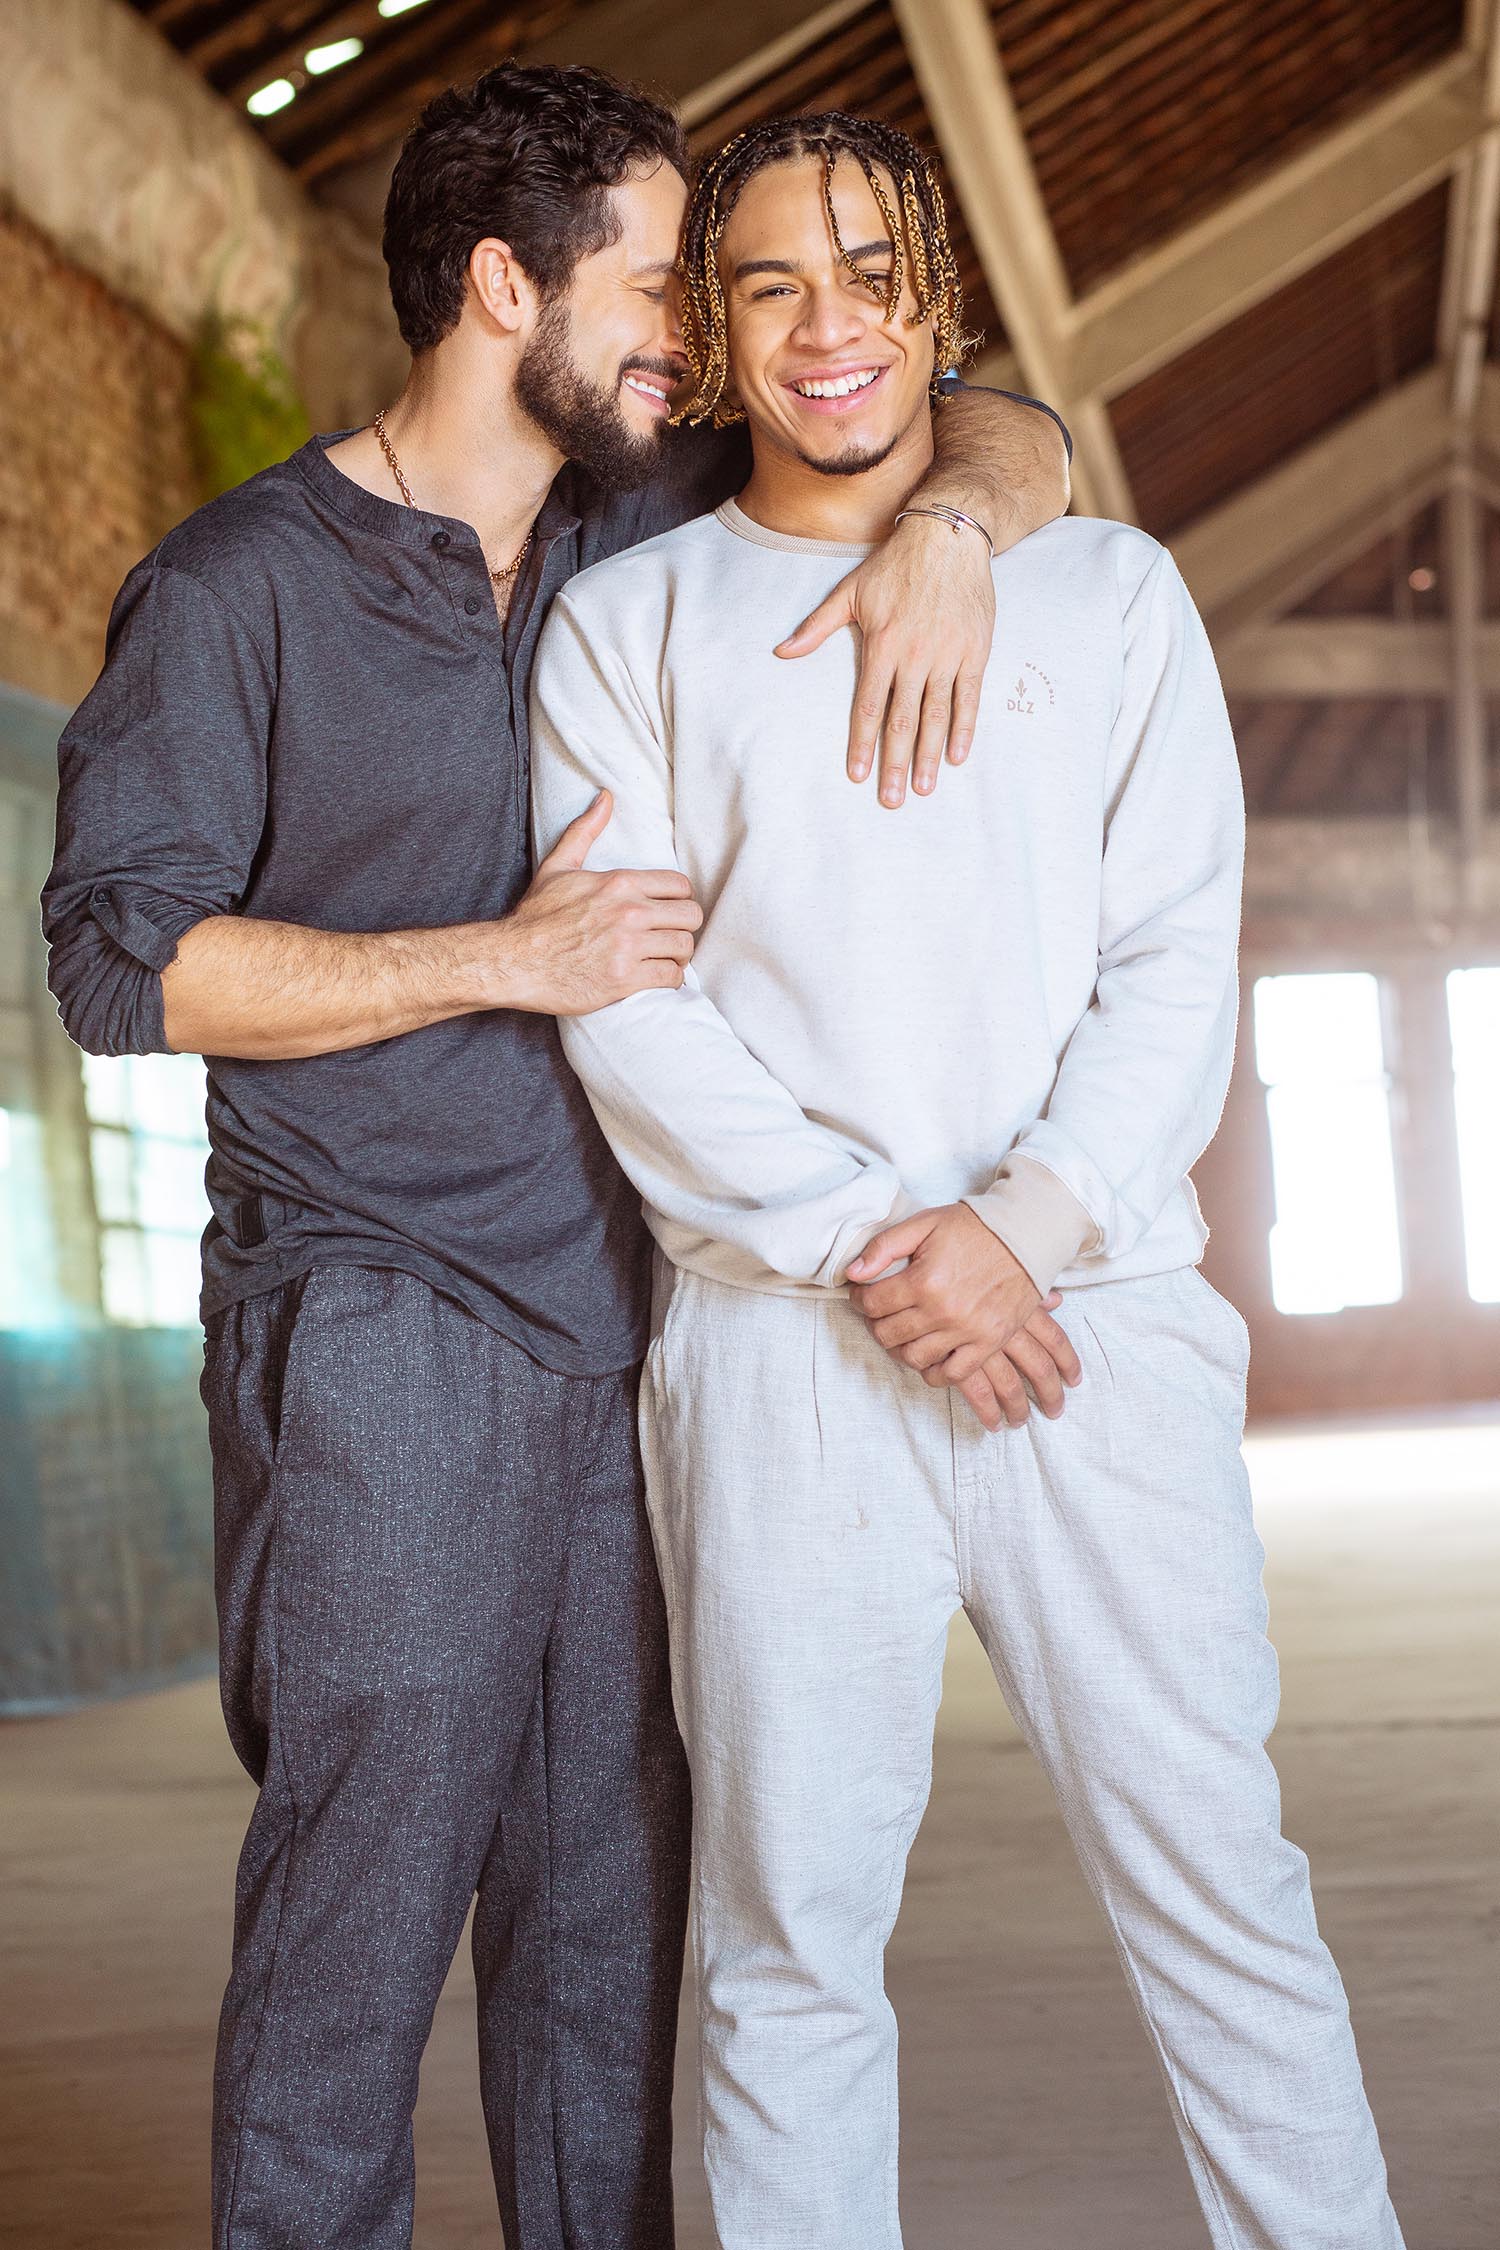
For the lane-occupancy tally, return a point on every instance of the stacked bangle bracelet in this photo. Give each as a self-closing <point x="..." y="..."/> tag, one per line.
<point x="953" y="517"/>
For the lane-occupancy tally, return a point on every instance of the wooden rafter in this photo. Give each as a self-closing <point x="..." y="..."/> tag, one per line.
<point x="1464" y="317"/>
<point x="238" y="59"/>
<point x="953" y="52"/>
<point x="364" y="107"/>
<point x="1285" y="224"/>
<point x="1326" y="659"/>
<point x="1326" y="500"/>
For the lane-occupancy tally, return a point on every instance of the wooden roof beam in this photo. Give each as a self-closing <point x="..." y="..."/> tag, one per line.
<point x="955" y="57"/>
<point x="1265" y="236"/>
<point x="1463" y="342"/>
<point x="1241" y="560"/>
<point x="1473" y="231"/>
<point x="1325" y="659"/>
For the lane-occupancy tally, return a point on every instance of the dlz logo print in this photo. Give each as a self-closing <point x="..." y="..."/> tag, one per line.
<point x="1030" y="683"/>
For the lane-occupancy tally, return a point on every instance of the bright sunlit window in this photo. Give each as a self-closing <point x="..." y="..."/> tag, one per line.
<point x="148" y="1145"/>
<point x="1474" y="1025"/>
<point x="1320" y="1054"/>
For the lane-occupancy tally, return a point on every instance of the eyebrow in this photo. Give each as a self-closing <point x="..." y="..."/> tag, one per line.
<point x="790" y="265"/>
<point x="657" y="266"/>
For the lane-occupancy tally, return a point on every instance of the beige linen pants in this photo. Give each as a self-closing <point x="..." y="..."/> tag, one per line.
<point x="819" y="1515"/>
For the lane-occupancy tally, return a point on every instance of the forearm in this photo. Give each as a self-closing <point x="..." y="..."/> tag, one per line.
<point x="274" y="991"/>
<point x="719" y="1146"/>
<point x="1140" y="1093"/>
<point x="998" y="460"/>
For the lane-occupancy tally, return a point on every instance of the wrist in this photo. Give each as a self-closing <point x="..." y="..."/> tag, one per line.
<point x="957" y="520"/>
<point x="465" y="969"/>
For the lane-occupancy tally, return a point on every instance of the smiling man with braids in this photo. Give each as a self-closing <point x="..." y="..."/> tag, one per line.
<point x="918" y="1073"/>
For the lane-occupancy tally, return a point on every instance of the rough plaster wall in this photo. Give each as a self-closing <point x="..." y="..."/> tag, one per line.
<point x="94" y="458"/>
<point x="116" y="149"/>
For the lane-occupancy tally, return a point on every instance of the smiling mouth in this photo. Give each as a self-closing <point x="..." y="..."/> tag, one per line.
<point x="834" y="391"/>
<point x="656" y="388"/>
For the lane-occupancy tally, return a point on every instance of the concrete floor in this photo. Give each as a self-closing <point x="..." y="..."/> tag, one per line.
<point x="1033" y="2119"/>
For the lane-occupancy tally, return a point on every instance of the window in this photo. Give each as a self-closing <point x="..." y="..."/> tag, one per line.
<point x="148" y="1145"/>
<point x="29" y="1294"/>
<point x="1320" y="1055"/>
<point x="1474" y="1026"/>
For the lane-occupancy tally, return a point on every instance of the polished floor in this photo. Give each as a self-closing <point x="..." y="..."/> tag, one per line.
<point x="1033" y="2119"/>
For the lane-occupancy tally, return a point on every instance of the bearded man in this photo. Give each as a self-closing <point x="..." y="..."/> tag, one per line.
<point x="293" y="838"/>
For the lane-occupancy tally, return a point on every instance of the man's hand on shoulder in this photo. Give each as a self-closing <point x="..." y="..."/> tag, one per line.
<point x="579" y="941"/>
<point x="964" y="1313"/>
<point x="924" y="604"/>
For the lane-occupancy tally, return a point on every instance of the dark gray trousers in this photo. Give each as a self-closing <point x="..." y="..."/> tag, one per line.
<point x="444" y="1663"/>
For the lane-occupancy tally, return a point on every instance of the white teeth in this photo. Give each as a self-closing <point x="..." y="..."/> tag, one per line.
<point x="651" y="390"/>
<point x="838" y="386"/>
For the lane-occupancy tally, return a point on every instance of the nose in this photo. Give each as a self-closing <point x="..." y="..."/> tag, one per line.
<point x="830" y="319"/>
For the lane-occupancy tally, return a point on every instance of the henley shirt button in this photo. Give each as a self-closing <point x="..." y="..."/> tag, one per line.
<point x="473" y="605"/>
<point x="442" y="539"/>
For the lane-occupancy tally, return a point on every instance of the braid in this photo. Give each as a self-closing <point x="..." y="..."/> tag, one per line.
<point x="917" y="221"/>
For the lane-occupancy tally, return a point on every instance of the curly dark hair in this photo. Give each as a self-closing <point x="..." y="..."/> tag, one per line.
<point x="525" y="154"/>
<point x="916" y="222"/>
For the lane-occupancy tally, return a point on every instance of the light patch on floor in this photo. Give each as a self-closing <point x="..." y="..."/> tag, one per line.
<point x="1032" y="2111"/>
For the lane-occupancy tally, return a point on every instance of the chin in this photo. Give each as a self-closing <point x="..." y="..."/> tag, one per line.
<point x="854" y="458"/>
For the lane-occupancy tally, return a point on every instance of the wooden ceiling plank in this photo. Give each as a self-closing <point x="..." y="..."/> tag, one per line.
<point x="240" y="59"/>
<point x="732" y="83"/>
<point x="168" y="16"/>
<point x="956" y="61"/>
<point x="426" y="53"/>
<point x="1266" y="236"/>
<point x="1227" y="410"/>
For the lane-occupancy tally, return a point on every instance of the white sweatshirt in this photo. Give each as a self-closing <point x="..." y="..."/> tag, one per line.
<point x="1019" y="992"/>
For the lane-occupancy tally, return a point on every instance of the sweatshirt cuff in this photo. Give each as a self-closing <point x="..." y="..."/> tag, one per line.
<point x="1040" y="1221"/>
<point x="836" y="1274"/>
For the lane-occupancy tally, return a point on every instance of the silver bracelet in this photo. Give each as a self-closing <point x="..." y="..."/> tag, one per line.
<point x="953" y="517"/>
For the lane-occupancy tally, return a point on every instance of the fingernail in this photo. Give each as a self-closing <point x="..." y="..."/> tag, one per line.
<point x="890" y="796"/>
<point x="859" y="773"/>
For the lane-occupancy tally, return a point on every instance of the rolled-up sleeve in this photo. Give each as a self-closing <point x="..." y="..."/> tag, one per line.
<point x="161" y="804"/>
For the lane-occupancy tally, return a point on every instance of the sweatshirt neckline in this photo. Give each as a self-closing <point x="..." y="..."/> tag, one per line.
<point x="733" y="517"/>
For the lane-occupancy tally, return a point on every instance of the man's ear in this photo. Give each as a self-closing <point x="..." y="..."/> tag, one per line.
<point x="504" y="292"/>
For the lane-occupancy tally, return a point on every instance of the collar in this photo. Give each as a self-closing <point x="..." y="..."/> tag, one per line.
<point x="410" y="527"/>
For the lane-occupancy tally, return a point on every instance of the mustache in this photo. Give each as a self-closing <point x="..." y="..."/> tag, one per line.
<point x="640" y="363"/>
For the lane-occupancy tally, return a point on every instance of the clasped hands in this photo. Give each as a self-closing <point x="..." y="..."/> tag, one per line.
<point x="963" y="1312"/>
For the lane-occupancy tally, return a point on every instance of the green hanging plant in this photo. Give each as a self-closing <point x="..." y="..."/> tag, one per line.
<point x="243" y="405"/>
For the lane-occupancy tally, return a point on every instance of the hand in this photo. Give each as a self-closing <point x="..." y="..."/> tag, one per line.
<point x="924" y="604"/>
<point x="962" y="1295"/>
<point x="1039" y="1354"/>
<point x="578" y="942"/>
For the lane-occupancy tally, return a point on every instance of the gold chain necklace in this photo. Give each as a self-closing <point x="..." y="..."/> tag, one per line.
<point x="502" y="579"/>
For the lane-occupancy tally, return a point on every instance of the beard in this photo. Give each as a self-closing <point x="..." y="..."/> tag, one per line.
<point x="854" y="461"/>
<point x="581" y="418"/>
